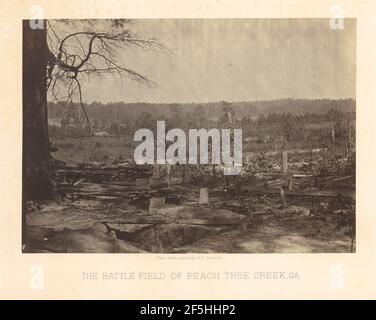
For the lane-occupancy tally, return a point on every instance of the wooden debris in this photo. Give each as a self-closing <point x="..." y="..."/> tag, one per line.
<point x="158" y="220"/>
<point x="104" y="173"/>
<point x="156" y="203"/>
<point x="329" y="194"/>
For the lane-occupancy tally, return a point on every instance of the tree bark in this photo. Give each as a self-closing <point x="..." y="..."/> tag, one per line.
<point x="36" y="157"/>
<point x="35" y="150"/>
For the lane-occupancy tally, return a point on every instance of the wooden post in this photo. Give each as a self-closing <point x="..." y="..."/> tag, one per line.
<point x="284" y="162"/>
<point x="285" y="166"/>
<point x="283" y="197"/>
<point x="291" y="180"/>
<point x="334" y="139"/>
<point x="168" y="170"/>
<point x="326" y="159"/>
<point x="204" y="196"/>
<point x="350" y="138"/>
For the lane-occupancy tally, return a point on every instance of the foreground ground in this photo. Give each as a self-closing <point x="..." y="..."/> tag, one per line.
<point x="104" y="205"/>
<point x="252" y="223"/>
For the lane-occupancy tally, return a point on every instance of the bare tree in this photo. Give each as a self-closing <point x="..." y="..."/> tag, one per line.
<point x="58" y="60"/>
<point x="74" y="57"/>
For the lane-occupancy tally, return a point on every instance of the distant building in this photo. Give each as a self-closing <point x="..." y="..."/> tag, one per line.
<point x="54" y="122"/>
<point x="101" y="134"/>
<point x="252" y="139"/>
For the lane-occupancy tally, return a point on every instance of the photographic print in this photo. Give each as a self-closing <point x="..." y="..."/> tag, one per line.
<point x="189" y="135"/>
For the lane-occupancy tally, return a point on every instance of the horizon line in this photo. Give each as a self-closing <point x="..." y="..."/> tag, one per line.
<point x="207" y="102"/>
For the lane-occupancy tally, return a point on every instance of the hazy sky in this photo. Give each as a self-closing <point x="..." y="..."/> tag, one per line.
<point x="237" y="60"/>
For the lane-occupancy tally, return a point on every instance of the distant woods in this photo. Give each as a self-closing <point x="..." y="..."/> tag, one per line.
<point x="277" y="122"/>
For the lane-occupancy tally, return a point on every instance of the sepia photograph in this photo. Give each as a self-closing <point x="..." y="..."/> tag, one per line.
<point x="172" y="136"/>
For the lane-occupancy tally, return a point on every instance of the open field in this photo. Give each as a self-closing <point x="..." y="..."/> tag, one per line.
<point x="89" y="149"/>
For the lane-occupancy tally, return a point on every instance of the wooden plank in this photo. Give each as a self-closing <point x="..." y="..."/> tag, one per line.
<point x="137" y="221"/>
<point x="349" y="194"/>
<point x="342" y="178"/>
<point x="201" y="222"/>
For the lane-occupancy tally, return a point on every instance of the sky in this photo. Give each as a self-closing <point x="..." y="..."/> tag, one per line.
<point x="236" y="60"/>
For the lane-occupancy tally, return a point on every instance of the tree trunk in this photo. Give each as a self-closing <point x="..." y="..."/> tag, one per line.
<point x="36" y="165"/>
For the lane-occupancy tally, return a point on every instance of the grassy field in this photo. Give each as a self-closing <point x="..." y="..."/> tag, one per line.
<point x="93" y="149"/>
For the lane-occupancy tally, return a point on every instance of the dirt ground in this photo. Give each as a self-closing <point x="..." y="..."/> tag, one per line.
<point x="303" y="235"/>
<point x="227" y="224"/>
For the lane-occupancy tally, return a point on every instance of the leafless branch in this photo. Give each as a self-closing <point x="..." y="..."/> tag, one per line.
<point x="86" y="53"/>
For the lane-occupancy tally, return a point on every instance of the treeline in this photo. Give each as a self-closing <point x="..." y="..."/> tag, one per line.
<point x="323" y="122"/>
<point x="120" y="112"/>
<point x="312" y="129"/>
